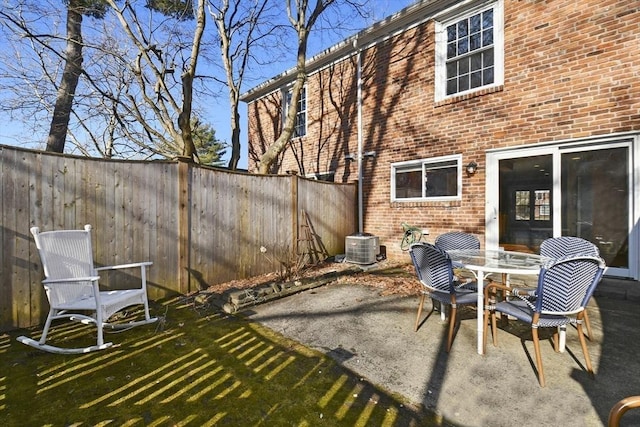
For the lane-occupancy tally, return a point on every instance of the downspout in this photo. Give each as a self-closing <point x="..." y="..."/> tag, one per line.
<point x="359" y="105"/>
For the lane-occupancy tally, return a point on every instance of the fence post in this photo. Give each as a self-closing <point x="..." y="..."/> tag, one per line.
<point x="184" y="224"/>
<point x="294" y="213"/>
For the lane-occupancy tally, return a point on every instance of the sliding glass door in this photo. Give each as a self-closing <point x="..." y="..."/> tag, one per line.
<point x="526" y="215"/>
<point x="596" y="202"/>
<point x="563" y="190"/>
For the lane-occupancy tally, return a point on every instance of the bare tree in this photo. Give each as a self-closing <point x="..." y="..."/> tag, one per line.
<point x="138" y="89"/>
<point x="298" y="18"/>
<point x="153" y="64"/>
<point x="239" y="27"/>
<point x="188" y="75"/>
<point x="127" y="106"/>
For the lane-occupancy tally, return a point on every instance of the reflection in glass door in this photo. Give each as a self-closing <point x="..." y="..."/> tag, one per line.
<point x="525" y="202"/>
<point x="595" y="201"/>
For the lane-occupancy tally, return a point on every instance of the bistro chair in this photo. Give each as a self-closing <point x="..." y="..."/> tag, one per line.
<point x="71" y="285"/>
<point x="620" y="408"/>
<point x="457" y="240"/>
<point x="435" y="271"/>
<point x="558" y="247"/>
<point x="564" y="287"/>
<point x="454" y="240"/>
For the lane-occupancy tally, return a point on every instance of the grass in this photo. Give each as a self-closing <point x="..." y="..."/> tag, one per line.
<point x="196" y="367"/>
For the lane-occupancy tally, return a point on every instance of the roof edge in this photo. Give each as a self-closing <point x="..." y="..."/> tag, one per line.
<point x="406" y="17"/>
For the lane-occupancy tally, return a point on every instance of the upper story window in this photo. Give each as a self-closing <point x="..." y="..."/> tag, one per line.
<point x="300" y="127"/>
<point x="469" y="49"/>
<point x="435" y="179"/>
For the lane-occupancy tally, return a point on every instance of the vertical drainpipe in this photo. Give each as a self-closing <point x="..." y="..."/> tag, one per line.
<point x="359" y="105"/>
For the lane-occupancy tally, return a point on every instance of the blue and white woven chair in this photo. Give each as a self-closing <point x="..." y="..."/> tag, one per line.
<point x="565" y="285"/>
<point x="435" y="271"/>
<point x="457" y="240"/>
<point x="558" y="247"/>
<point x="454" y="240"/>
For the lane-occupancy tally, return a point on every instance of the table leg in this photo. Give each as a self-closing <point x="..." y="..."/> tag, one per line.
<point x="481" y="325"/>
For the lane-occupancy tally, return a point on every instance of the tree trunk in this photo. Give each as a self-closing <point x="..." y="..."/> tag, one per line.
<point x="184" y="118"/>
<point x="235" y="138"/>
<point x="302" y="27"/>
<point x="70" y="77"/>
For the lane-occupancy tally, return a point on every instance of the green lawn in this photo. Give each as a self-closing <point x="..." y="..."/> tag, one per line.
<point x="196" y="367"/>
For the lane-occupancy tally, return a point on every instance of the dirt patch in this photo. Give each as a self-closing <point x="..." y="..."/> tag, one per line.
<point x="392" y="278"/>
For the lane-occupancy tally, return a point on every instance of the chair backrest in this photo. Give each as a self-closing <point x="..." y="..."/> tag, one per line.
<point x="566" y="284"/>
<point x="433" y="266"/>
<point x="65" y="254"/>
<point x="558" y="247"/>
<point x="457" y="240"/>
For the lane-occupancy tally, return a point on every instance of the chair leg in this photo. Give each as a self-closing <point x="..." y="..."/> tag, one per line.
<point x="587" y="324"/>
<point x="494" y="329"/>
<point x="485" y="332"/>
<point x="536" y="346"/>
<point x="556" y="341"/>
<point x="504" y="319"/>
<point x="47" y="325"/>
<point x="585" y="351"/>
<point x="452" y="326"/>
<point x="419" y="312"/>
<point x="100" y="326"/>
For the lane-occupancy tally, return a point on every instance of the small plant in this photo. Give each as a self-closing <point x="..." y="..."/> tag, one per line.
<point x="289" y="264"/>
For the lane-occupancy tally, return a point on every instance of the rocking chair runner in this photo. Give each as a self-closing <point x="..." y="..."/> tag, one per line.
<point x="71" y="285"/>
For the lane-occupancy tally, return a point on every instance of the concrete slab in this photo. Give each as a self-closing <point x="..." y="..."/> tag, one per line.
<point x="373" y="336"/>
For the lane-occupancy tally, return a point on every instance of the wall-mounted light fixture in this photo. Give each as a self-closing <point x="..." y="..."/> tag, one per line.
<point x="471" y="168"/>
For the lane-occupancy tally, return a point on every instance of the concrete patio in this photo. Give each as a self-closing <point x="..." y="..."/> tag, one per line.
<point x="373" y="336"/>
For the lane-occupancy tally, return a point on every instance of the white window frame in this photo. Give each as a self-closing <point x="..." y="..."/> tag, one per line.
<point x="301" y="112"/>
<point x="461" y="11"/>
<point x="424" y="165"/>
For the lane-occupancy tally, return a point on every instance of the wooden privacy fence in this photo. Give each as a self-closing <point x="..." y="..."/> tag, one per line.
<point x="200" y="226"/>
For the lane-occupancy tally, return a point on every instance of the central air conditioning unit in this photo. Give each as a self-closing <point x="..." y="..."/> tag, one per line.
<point x="362" y="248"/>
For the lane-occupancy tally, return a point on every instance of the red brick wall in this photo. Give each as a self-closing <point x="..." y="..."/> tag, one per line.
<point x="572" y="69"/>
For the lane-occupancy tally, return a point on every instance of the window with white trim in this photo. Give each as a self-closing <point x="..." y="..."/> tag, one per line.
<point x="300" y="127"/>
<point x="435" y="179"/>
<point x="469" y="49"/>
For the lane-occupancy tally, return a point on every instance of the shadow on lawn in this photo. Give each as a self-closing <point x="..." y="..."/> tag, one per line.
<point x="196" y="367"/>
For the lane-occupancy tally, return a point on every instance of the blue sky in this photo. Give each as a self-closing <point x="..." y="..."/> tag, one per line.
<point x="12" y="132"/>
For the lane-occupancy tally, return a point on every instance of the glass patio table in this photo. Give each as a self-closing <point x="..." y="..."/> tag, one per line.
<point x="482" y="262"/>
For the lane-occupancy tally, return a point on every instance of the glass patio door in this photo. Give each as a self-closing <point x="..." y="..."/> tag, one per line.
<point x="596" y="202"/>
<point x="563" y="190"/>
<point x="526" y="214"/>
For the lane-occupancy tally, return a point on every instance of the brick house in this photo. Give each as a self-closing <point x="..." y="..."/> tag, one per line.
<point x="542" y="97"/>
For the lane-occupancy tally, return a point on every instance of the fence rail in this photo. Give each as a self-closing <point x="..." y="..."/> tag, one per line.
<point x="200" y="226"/>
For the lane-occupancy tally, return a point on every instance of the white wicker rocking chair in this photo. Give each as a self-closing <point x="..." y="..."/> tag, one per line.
<point x="71" y="285"/>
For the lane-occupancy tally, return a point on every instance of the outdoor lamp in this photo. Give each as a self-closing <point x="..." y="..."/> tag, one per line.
<point x="472" y="167"/>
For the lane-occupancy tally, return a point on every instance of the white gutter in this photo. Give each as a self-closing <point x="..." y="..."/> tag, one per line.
<point x="359" y="103"/>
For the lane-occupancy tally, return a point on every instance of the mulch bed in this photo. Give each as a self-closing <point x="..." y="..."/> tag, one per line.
<point x="391" y="278"/>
